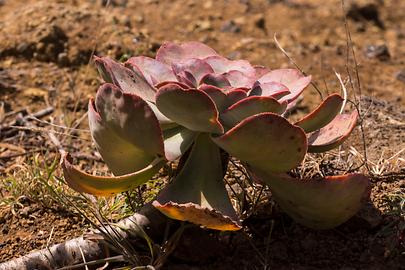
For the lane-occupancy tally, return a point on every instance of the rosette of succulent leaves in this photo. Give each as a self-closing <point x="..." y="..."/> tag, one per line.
<point x="192" y="104"/>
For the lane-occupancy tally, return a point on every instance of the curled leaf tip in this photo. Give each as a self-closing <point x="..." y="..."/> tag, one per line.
<point x="208" y="218"/>
<point x="106" y="185"/>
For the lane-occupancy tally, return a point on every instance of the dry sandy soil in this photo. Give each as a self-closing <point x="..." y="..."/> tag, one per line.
<point x="45" y="52"/>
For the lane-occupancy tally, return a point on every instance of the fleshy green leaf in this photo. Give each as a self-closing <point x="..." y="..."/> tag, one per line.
<point x="125" y="130"/>
<point x="107" y="185"/>
<point x="320" y="203"/>
<point x="177" y="141"/>
<point x="333" y="134"/>
<point x="266" y="141"/>
<point x="198" y="194"/>
<point x="126" y="79"/>
<point x="164" y="122"/>
<point x="322" y="115"/>
<point x="251" y="106"/>
<point x="191" y="108"/>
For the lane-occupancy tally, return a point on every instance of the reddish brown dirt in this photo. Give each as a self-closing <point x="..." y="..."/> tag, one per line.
<point x="34" y="227"/>
<point x="44" y="54"/>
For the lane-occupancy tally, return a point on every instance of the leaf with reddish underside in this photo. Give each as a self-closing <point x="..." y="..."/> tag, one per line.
<point x="187" y="78"/>
<point x="251" y="106"/>
<point x="235" y="95"/>
<point x="222" y="65"/>
<point x="124" y="129"/>
<point x="107" y="185"/>
<point x="322" y="115"/>
<point x="319" y="203"/>
<point x="198" y="68"/>
<point x="180" y="84"/>
<point x="177" y="141"/>
<point x="266" y="141"/>
<point x="217" y="80"/>
<point x="198" y="194"/>
<point x="153" y="70"/>
<point x="271" y="89"/>
<point x="191" y="108"/>
<point x="239" y="79"/>
<point x="291" y="78"/>
<point x="126" y="79"/>
<point x="217" y="95"/>
<point x="333" y="134"/>
<point x="170" y="53"/>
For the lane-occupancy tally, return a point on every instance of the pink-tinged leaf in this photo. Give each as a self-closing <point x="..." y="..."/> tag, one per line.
<point x="319" y="203"/>
<point x="266" y="141"/>
<point x="192" y="108"/>
<point x="234" y="96"/>
<point x="198" y="194"/>
<point x="238" y="79"/>
<point x="177" y="141"/>
<point x="198" y="68"/>
<point x="181" y="85"/>
<point x="251" y="106"/>
<point x="187" y="78"/>
<point x="217" y="80"/>
<point x="322" y="115"/>
<point x="153" y="70"/>
<point x="170" y="53"/>
<point x="222" y="65"/>
<point x="260" y="71"/>
<point x="291" y="78"/>
<point x="217" y="95"/>
<point x="333" y="134"/>
<point x="272" y="89"/>
<point x="107" y="185"/>
<point x="124" y="129"/>
<point x="126" y="79"/>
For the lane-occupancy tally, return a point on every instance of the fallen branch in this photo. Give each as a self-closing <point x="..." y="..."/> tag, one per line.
<point x="94" y="245"/>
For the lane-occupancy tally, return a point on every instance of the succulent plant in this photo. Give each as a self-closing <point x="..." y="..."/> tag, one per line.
<point x="189" y="103"/>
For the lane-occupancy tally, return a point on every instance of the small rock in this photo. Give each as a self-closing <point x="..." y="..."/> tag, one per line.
<point x="22" y="47"/>
<point x="139" y="19"/>
<point x="260" y="22"/>
<point x="400" y="76"/>
<point x="25" y="211"/>
<point x="231" y="27"/>
<point x="5" y="229"/>
<point x="63" y="59"/>
<point x="367" y="12"/>
<point x="380" y="52"/>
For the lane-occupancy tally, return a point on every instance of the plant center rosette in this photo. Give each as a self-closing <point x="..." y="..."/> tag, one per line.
<point x="189" y="103"/>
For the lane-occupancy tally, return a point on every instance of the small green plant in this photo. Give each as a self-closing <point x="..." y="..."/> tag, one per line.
<point x="194" y="105"/>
